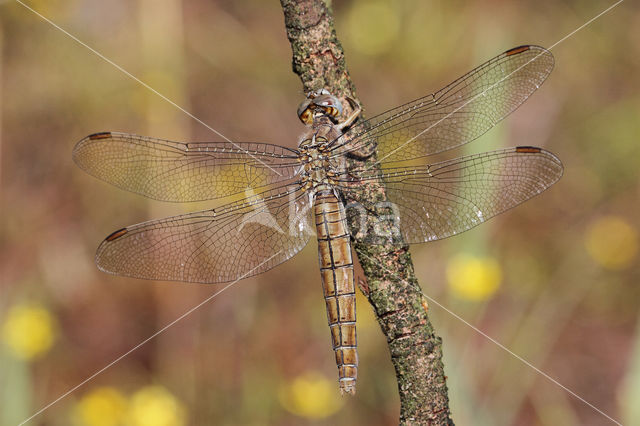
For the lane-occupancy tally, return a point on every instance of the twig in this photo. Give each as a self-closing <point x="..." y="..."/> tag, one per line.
<point x="392" y="290"/>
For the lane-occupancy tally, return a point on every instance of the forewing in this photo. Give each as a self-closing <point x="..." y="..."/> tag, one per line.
<point x="228" y="243"/>
<point x="456" y="114"/>
<point x="174" y="171"/>
<point x="447" y="198"/>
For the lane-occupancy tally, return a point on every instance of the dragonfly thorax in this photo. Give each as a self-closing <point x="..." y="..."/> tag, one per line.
<point x="317" y="170"/>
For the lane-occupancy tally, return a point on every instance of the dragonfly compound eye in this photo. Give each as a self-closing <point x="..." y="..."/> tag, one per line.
<point x="320" y="101"/>
<point x="328" y="103"/>
<point x="305" y="113"/>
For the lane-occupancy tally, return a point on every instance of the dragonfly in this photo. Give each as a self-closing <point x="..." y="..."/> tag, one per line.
<point x="283" y="195"/>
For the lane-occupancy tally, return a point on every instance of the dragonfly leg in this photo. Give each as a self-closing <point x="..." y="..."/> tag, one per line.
<point x="355" y="114"/>
<point x="364" y="152"/>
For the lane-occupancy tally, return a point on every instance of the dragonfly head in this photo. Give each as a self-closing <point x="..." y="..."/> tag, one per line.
<point x="319" y="102"/>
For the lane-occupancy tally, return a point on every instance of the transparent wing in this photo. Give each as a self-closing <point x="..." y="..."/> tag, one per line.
<point x="174" y="171"/>
<point x="456" y="114"/>
<point x="444" y="199"/>
<point x="231" y="242"/>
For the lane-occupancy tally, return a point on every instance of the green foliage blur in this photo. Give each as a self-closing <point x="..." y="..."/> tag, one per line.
<point x="554" y="280"/>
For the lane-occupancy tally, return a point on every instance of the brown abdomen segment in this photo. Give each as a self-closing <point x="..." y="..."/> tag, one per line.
<point x="336" y="267"/>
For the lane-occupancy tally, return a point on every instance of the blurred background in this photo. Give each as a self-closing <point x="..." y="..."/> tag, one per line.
<point x="554" y="280"/>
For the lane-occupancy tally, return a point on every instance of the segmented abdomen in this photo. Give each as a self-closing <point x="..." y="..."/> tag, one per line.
<point x="336" y="267"/>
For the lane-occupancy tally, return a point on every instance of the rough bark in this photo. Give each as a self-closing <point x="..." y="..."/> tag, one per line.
<point x="391" y="286"/>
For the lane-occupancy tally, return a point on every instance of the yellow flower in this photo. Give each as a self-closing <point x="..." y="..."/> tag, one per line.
<point x="29" y="330"/>
<point x="155" y="406"/>
<point x="612" y="242"/>
<point x="473" y="278"/>
<point x="311" y="395"/>
<point x="373" y="26"/>
<point x="103" y="406"/>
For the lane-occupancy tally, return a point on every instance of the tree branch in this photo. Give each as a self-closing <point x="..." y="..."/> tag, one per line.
<point x="392" y="288"/>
